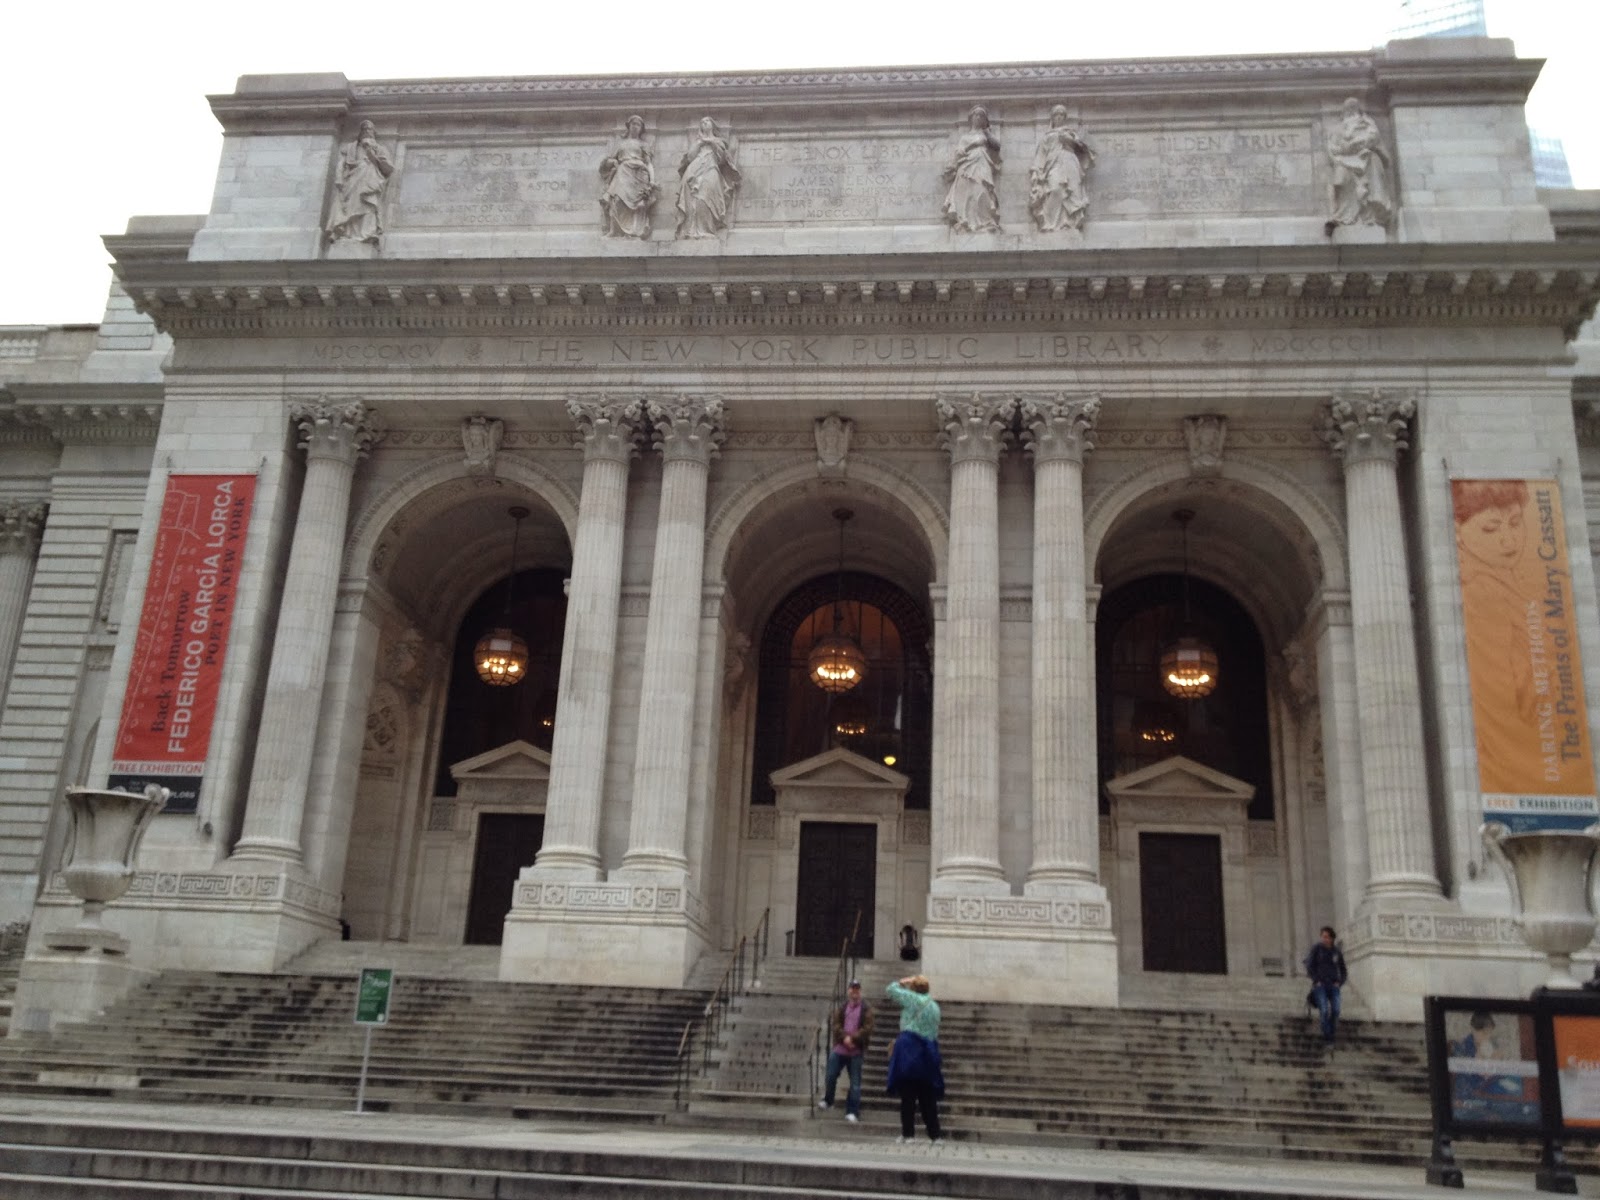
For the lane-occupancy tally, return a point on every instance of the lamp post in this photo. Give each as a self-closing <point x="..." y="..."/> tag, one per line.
<point x="501" y="655"/>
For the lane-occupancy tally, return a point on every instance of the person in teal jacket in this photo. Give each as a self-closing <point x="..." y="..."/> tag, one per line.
<point x="916" y="1073"/>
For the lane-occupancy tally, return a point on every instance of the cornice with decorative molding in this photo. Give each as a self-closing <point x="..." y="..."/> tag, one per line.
<point x="1496" y="283"/>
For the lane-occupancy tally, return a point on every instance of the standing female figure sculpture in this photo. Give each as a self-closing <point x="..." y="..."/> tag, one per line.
<point x="1362" y="194"/>
<point x="709" y="177"/>
<point x="630" y="185"/>
<point x="971" y="204"/>
<point x="364" y="170"/>
<point x="1057" y="197"/>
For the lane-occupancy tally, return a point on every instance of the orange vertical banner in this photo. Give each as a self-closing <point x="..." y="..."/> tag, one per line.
<point x="1535" y="762"/>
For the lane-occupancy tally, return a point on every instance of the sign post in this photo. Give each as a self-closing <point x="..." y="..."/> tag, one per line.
<point x="374" y="989"/>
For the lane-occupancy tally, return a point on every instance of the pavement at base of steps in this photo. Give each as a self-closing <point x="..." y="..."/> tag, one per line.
<point x="873" y="1144"/>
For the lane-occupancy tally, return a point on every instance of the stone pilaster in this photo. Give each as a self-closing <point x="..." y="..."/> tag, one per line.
<point x="966" y="807"/>
<point x="334" y="437"/>
<point x="688" y="430"/>
<point x="583" y="706"/>
<point x="1057" y="431"/>
<point x="1367" y="431"/>
<point x="21" y="524"/>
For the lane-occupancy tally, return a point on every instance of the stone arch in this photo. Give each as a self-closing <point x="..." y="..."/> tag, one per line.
<point x="378" y="516"/>
<point x="1310" y="516"/>
<point x="875" y="478"/>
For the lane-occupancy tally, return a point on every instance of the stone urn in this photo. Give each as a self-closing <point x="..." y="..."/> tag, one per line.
<point x="107" y="828"/>
<point x="1551" y="875"/>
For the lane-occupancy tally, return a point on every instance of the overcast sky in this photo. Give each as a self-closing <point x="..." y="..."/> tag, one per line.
<point x="106" y="114"/>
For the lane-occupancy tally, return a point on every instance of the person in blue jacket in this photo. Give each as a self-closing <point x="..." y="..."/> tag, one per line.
<point x="916" y="1073"/>
<point x="1325" y="967"/>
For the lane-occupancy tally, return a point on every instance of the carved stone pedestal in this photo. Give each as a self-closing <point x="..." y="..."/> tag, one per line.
<point x="64" y="984"/>
<point x="1034" y="949"/>
<point x="619" y="934"/>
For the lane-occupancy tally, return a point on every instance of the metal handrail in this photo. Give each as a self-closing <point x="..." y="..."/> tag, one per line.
<point x="846" y="969"/>
<point x="707" y="1024"/>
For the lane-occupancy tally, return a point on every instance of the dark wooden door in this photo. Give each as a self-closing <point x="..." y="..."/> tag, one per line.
<point x="507" y="842"/>
<point x="838" y="878"/>
<point x="1180" y="894"/>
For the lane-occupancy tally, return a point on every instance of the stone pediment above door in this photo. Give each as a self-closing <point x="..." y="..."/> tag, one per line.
<point x="515" y="775"/>
<point x="514" y="760"/>
<point x="839" y="780"/>
<point x="1180" y="778"/>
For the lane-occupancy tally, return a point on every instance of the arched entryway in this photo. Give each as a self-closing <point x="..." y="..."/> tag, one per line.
<point x="1215" y="841"/>
<point x="428" y="859"/>
<point x="827" y="799"/>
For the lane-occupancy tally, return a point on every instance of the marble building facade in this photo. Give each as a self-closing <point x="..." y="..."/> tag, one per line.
<point x="1010" y="318"/>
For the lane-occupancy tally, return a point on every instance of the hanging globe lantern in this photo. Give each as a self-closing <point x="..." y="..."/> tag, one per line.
<point x="836" y="663"/>
<point x="1189" y="668"/>
<point x="1188" y="663"/>
<point x="501" y="658"/>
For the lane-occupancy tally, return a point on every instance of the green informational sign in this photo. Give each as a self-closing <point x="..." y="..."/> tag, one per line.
<point x="372" y="995"/>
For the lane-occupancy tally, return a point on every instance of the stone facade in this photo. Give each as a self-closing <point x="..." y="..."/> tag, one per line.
<point x="1010" y="317"/>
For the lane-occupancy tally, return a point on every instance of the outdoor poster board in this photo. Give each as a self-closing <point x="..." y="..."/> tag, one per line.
<point x="374" y="989"/>
<point x="1524" y="669"/>
<point x="1494" y="1067"/>
<point x="182" y="639"/>
<point x="1577" y="1045"/>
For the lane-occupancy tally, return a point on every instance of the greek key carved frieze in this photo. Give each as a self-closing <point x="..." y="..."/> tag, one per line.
<point x="1019" y="912"/>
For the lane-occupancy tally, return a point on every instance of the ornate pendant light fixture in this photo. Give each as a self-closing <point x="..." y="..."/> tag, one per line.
<point x="836" y="662"/>
<point x="501" y="656"/>
<point x="1188" y="664"/>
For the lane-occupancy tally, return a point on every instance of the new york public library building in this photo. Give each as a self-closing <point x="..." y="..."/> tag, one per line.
<point x="1088" y="512"/>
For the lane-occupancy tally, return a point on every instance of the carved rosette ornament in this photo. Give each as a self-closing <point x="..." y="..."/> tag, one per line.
<point x="609" y="427"/>
<point x="21" y="526"/>
<point x="833" y="443"/>
<point x="480" y="440"/>
<point x="339" y="431"/>
<point x="1058" y="427"/>
<point x="1362" y="426"/>
<point x="975" y="427"/>
<point x="1205" y="437"/>
<point x="688" y="428"/>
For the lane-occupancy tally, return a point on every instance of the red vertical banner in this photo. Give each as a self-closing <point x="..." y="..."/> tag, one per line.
<point x="182" y="639"/>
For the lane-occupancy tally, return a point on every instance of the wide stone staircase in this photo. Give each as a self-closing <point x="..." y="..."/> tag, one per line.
<point x="1247" y="1084"/>
<point x="452" y="1046"/>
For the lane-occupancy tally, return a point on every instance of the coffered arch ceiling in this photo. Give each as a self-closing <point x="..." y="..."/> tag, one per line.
<point x="439" y="553"/>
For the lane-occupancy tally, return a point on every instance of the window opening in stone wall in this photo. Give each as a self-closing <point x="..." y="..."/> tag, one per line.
<point x="1139" y="724"/>
<point x="479" y="717"/>
<point x="886" y="718"/>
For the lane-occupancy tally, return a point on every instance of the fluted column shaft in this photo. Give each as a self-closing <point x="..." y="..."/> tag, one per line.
<point x="21" y="523"/>
<point x="1367" y="432"/>
<point x="1066" y="816"/>
<point x="687" y="433"/>
<point x="966" y="814"/>
<point x="589" y="652"/>
<point x="334" y="437"/>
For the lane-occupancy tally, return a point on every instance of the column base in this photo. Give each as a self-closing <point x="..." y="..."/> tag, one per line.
<point x="621" y="933"/>
<point x="1021" y="949"/>
<point x="70" y="984"/>
<point x="1399" y="954"/>
<point x="266" y="850"/>
<point x="239" y="916"/>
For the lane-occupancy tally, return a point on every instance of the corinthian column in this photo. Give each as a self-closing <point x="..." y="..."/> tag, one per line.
<point x="687" y="433"/>
<point x="583" y="699"/>
<point x="333" y="436"/>
<point x="1366" y="430"/>
<point x="21" y="523"/>
<point x="1066" y="847"/>
<point x="966" y="808"/>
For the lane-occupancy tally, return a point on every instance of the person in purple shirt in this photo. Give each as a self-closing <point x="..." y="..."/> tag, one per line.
<point x="850" y="1029"/>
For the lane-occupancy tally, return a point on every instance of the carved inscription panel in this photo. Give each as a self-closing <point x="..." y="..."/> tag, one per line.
<point x="841" y="180"/>
<point x="512" y="186"/>
<point x="1258" y="170"/>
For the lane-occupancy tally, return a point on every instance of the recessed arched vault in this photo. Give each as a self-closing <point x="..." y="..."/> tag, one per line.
<point x="778" y="531"/>
<point x="896" y="494"/>
<point x="436" y="538"/>
<point x="1257" y="532"/>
